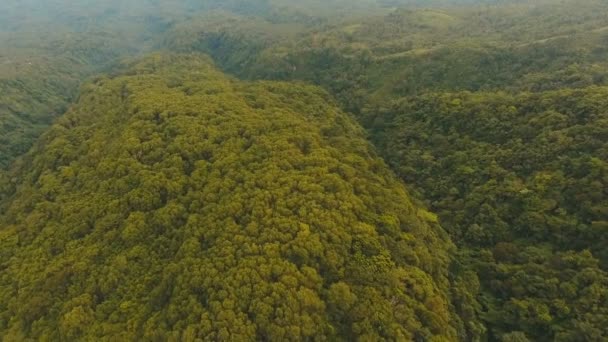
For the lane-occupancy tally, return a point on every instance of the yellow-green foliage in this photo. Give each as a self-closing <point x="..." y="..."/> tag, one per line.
<point x="47" y="48"/>
<point x="153" y="207"/>
<point x="174" y="203"/>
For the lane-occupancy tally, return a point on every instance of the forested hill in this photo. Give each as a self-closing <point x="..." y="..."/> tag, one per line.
<point x="520" y="183"/>
<point x="515" y="46"/>
<point x="39" y="75"/>
<point x="495" y="116"/>
<point x="48" y="48"/>
<point x="172" y="202"/>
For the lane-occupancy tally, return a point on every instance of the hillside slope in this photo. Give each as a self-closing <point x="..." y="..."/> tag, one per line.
<point x="495" y="116"/>
<point x="174" y="202"/>
<point x="513" y="47"/>
<point x="520" y="183"/>
<point x="39" y="75"/>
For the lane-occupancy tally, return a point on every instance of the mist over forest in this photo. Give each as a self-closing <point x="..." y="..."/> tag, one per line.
<point x="281" y="170"/>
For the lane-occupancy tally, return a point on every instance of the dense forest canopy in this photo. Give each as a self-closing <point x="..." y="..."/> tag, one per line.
<point x="260" y="192"/>
<point x="237" y="211"/>
<point x="520" y="183"/>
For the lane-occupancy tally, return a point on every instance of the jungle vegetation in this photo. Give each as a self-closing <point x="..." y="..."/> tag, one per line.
<point x="312" y="170"/>
<point x="175" y="204"/>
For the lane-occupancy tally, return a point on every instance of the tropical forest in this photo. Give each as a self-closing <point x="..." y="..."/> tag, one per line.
<point x="282" y="170"/>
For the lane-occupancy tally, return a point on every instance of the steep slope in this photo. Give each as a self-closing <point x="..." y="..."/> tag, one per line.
<point x="520" y="183"/>
<point x="47" y="48"/>
<point x="516" y="169"/>
<point x="39" y="75"/>
<point x="172" y="202"/>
